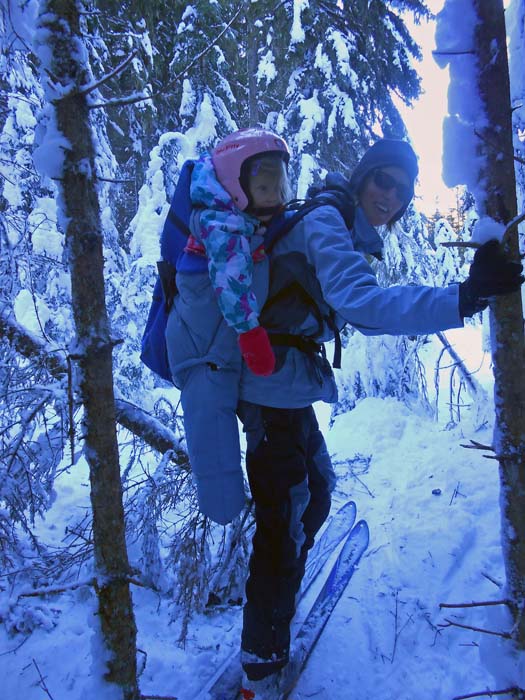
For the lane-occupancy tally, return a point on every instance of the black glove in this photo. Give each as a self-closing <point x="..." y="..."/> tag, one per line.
<point x="491" y="274"/>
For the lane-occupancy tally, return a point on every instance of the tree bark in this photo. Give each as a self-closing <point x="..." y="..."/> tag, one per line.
<point x="506" y="317"/>
<point x="80" y="208"/>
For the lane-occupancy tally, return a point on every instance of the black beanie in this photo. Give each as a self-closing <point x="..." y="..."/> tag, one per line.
<point x="383" y="153"/>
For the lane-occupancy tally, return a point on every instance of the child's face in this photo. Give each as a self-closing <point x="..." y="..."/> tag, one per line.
<point x="265" y="191"/>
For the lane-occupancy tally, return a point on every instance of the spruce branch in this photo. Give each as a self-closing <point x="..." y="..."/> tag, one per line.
<point x="474" y="244"/>
<point x="133" y="99"/>
<point x="118" y="69"/>
<point x="92" y="582"/>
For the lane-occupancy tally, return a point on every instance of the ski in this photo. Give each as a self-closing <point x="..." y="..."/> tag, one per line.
<point x="337" y="528"/>
<point x="311" y="629"/>
<point x="225" y="684"/>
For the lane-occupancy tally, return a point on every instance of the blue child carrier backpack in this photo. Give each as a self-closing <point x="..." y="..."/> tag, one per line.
<point x="173" y="241"/>
<point x="174" y="258"/>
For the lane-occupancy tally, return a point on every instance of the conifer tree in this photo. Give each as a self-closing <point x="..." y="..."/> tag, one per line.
<point x="70" y="139"/>
<point x="480" y="78"/>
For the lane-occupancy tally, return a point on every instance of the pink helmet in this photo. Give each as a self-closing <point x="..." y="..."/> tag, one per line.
<point x="230" y="154"/>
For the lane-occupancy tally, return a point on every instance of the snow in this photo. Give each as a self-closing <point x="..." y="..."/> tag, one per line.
<point x="432" y="508"/>
<point x="266" y="69"/>
<point x="31" y="312"/>
<point x="297" y="34"/>
<point x="432" y="505"/>
<point x="312" y="116"/>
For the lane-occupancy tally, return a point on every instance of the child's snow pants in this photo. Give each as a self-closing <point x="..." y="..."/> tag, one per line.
<point x="206" y="363"/>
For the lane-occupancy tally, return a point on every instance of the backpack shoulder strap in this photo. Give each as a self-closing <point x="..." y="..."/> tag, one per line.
<point x="177" y="220"/>
<point x="334" y="194"/>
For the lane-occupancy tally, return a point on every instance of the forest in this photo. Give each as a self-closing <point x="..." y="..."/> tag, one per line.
<point x="105" y="560"/>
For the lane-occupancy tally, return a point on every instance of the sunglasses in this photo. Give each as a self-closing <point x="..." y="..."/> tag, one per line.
<point x="386" y="182"/>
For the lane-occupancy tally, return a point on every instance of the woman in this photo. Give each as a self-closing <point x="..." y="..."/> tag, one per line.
<point x="319" y="278"/>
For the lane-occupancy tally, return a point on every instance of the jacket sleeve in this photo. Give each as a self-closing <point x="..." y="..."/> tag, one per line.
<point x="350" y="286"/>
<point x="225" y="236"/>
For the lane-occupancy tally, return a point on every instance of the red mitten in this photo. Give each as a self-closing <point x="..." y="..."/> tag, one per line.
<point x="257" y="351"/>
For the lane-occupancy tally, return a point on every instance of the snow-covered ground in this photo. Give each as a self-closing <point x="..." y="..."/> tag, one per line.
<point x="433" y="511"/>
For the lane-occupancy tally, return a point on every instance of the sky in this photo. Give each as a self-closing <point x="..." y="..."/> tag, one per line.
<point x="424" y="121"/>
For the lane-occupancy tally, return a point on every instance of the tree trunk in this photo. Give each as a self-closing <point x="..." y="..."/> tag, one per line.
<point x="93" y="343"/>
<point x="506" y="318"/>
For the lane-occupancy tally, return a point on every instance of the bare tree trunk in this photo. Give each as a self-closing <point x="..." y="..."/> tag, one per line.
<point x="94" y="345"/>
<point x="506" y="318"/>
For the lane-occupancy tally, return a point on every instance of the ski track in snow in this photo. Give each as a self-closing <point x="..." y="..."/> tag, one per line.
<point x="383" y="640"/>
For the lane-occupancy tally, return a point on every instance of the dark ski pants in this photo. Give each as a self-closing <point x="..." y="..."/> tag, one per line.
<point x="291" y="477"/>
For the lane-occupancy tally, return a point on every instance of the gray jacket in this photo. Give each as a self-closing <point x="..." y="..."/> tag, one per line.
<point x="334" y="272"/>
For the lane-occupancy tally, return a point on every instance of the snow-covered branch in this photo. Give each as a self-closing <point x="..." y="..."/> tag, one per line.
<point x="133" y="418"/>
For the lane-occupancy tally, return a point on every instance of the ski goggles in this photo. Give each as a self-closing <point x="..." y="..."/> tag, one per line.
<point x="386" y="182"/>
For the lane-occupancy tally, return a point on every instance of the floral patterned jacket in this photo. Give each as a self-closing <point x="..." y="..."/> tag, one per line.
<point x="226" y="233"/>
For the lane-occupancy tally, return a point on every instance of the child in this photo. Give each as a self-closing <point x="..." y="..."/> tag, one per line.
<point x="235" y="190"/>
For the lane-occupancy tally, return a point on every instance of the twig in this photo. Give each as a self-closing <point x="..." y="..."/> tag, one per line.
<point x="491" y="693"/>
<point x="456" y="493"/>
<point x="397" y="632"/>
<point x="497" y="148"/>
<point x="451" y="623"/>
<point x="478" y="446"/>
<point x="175" y="79"/>
<point x="474" y="604"/>
<point x="13" y="651"/>
<point x="42" y="682"/>
<point x="158" y="697"/>
<point x="460" y="244"/>
<point x="499" y="584"/>
<point x="453" y="53"/>
<point x="118" y="69"/>
<point x="78" y="584"/>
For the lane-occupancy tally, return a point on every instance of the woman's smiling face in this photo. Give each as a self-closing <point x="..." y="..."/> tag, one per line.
<point x="380" y="197"/>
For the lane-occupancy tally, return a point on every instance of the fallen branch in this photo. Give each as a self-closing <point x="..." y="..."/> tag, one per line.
<point x="515" y="692"/>
<point x="158" y="697"/>
<point x="474" y="604"/>
<point x="478" y="446"/>
<point x="452" y="623"/>
<point x="42" y="681"/>
<point x="93" y="582"/>
<point x="142" y="424"/>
